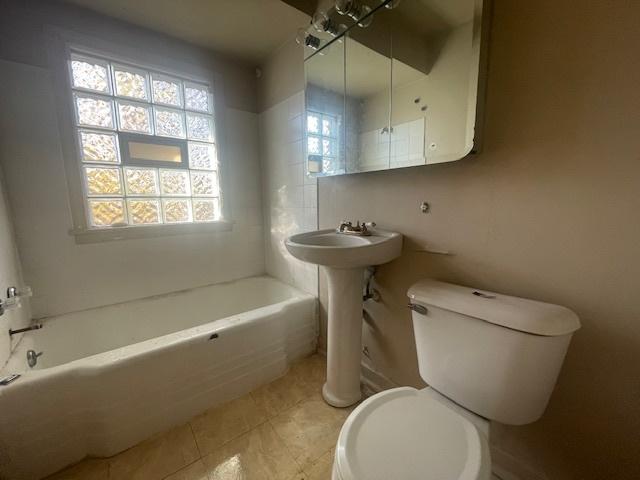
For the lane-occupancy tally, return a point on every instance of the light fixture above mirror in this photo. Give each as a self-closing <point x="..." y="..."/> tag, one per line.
<point x="330" y="24"/>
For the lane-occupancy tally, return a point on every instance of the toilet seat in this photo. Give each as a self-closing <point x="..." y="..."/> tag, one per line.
<point x="405" y="434"/>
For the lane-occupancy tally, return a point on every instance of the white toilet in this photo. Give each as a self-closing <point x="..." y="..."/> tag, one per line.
<point x="486" y="357"/>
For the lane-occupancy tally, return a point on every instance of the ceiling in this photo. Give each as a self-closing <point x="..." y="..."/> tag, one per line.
<point x="454" y="12"/>
<point x="245" y="29"/>
<point x="435" y="16"/>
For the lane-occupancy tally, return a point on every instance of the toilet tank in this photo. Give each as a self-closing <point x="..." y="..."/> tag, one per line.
<point x="495" y="355"/>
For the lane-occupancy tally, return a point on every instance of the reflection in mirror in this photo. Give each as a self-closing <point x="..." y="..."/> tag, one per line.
<point x="325" y="105"/>
<point x="333" y="18"/>
<point x="401" y="92"/>
<point x="368" y="93"/>
<point x="434" y="83"/>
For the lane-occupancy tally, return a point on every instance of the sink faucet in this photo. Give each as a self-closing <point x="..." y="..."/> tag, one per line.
<point x="360" y="229"/>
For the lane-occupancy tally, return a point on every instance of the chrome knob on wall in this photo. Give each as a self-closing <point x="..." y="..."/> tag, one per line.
<point x="32" y="357"/>
<point x="14" y="297"/>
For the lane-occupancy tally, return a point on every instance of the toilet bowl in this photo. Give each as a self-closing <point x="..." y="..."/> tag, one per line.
<point x="409" y="434"/>
<point x="486" y="356"/>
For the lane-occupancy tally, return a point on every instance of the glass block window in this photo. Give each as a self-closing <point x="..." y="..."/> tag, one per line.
<point x="322" y="138"/>
<point x="146" y="143"/>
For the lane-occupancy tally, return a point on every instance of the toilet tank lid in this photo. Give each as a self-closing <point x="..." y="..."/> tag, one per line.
<point x="528" y="316"/>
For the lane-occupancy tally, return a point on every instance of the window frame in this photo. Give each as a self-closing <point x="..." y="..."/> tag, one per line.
<point x="334" y="139"/>
<point x="125" y="158"/>
<point x="61" y="43"/>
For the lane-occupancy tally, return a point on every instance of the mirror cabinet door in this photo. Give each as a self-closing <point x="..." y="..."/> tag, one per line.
<point x="368" y="96"/>
<point x="325" y="110"/>
<point x="433" y="82"/>
<point x="400" y="91"/>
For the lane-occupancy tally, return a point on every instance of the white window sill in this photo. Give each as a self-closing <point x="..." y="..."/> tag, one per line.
<point x="126" y="233"/>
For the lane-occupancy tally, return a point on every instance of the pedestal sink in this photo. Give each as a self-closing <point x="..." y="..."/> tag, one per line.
<point x="344" y="258"/>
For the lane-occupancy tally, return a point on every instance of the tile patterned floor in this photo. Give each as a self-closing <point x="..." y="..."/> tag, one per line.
<point x="281" y="431"/>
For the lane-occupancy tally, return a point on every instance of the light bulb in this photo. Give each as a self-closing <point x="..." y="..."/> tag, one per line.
<point x="320" y="21"/>
<point x="363" y="22"/>
<point x="301" y="36"/>
<point x="305" y="39"/>
<point x="343" y="6"/>
<point x="392" y="4"/>
<point x="323" y="24"/>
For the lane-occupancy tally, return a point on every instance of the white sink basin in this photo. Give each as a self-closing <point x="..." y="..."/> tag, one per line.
<point x="343" y="258"/>
<point x="331" y="249"/>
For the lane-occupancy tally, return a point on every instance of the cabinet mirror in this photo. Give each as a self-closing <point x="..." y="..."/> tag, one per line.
<point x="401" y="86"/>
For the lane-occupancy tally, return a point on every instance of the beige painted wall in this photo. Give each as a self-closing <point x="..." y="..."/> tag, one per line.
<point x="548" y="211"/>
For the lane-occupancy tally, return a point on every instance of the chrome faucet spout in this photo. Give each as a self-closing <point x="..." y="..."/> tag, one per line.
<point x="360" y="228"/>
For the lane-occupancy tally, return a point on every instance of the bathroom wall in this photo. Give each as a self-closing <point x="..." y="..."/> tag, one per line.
<point x="24" y="25"/>
<point x="548" y="210"/>
<point x="10" y="276"/>
<point x="289" y="195"/>
<point x="66" y="276"/>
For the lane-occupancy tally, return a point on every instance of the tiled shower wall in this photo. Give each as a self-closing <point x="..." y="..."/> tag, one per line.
<point x="289" y="195"/>
<point x="68" y="277"/>
<point x="10" y="276"/>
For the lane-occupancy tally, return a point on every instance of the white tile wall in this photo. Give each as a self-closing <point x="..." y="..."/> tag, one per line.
<point x="10" y="276"/>
<point x="403" y="147"/>
<point x="68" y="277"/>
<point x="290" y="197"/>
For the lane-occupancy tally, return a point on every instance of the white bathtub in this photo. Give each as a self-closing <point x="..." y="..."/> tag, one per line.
<point x="112" y="376"/>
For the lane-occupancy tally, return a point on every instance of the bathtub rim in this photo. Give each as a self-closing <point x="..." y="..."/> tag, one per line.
<point x="110" y="358"/>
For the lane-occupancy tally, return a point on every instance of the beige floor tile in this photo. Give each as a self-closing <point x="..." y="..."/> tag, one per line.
<point x="221" y="424"/>
<point x="281" y="394"/>
<point x="195" y="471"/>
<point x="310" y="374"/>
<point x="259" y="454"/>
<point x="88" y="469"/>
<point x="157" y="457"/>
<point x="310" y="429"/>
<point x="321" y="468"/>
<point x="299" y="476"/>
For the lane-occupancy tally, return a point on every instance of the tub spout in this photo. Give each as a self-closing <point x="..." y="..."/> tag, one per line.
<point x="26" y="329"/>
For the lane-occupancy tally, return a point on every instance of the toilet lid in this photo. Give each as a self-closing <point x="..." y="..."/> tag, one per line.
<point x="403" y="434"/>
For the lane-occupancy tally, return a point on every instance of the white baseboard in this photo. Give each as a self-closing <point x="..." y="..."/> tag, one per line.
<point x="508" y="467"/>
<point x="373" y="381"/>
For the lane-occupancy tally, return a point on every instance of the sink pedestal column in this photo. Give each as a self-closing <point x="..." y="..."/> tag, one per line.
<point x="344" y="339"/>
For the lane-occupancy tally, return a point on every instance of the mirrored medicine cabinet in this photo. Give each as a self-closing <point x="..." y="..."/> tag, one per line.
<point x="400" y="86"/>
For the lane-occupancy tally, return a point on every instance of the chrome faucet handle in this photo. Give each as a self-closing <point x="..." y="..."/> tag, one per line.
<point x="366" y="225"/>
<point x="344" y="225"/>
<point x="32" y="357"/>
